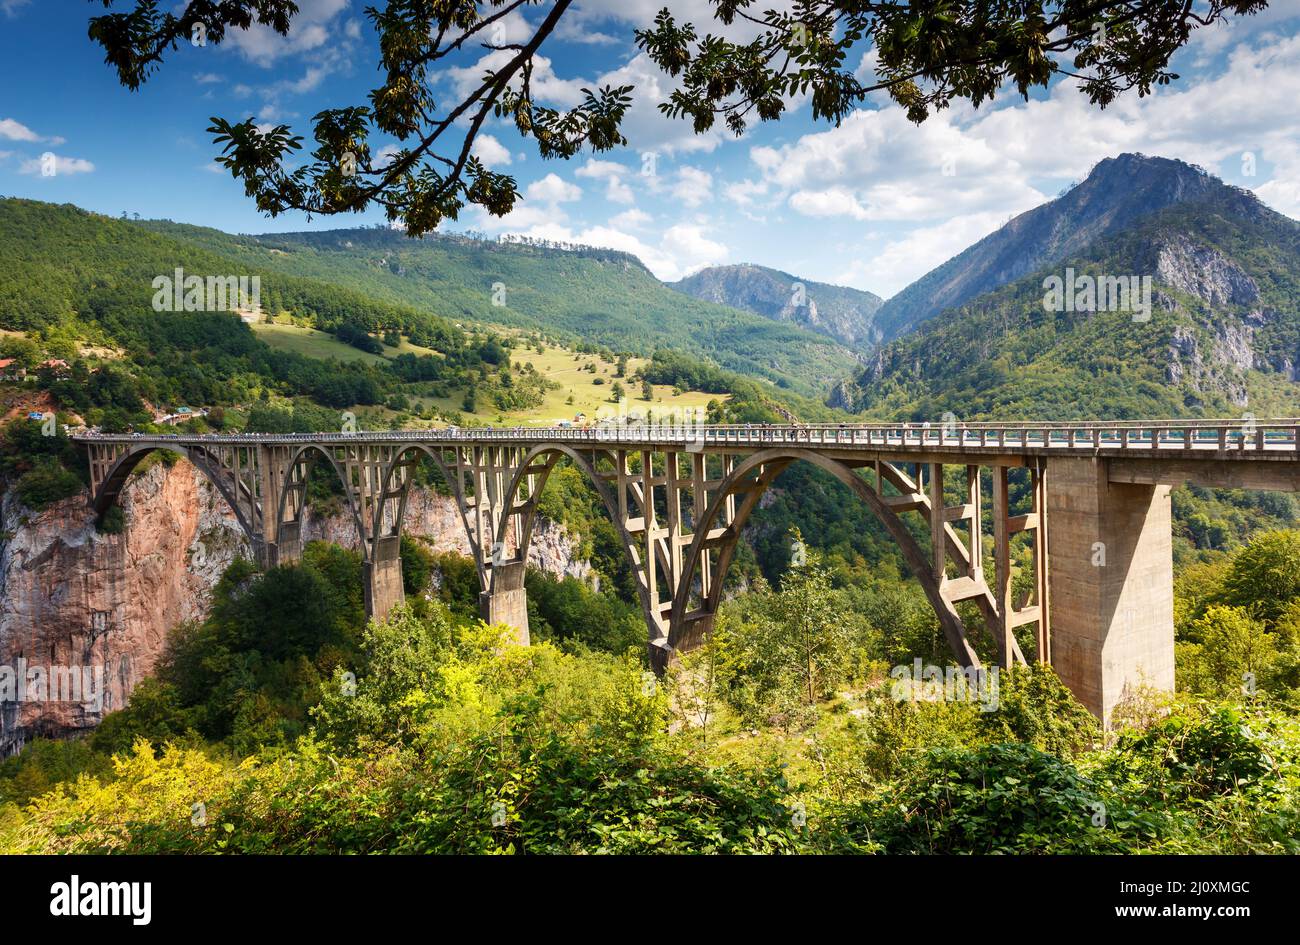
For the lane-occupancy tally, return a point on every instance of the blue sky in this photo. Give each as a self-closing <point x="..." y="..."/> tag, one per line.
<point x="874" y="203"/>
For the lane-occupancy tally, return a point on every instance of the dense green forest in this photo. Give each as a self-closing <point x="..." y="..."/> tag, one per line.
<point x="79" y="280"/>
<point x="425" y="733"/>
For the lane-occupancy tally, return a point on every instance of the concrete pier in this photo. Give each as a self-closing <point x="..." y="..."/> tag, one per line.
<point x="507" y="602"/>
<point x="1111" y="572"/>
<point x="383" y="578"/>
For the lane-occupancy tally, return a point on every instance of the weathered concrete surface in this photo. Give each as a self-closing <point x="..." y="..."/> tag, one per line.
<point x="383" y="578"/>
<point x="1110" y="564"/>
<point x="508" y="602"/>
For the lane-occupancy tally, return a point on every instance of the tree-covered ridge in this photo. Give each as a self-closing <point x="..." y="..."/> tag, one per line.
<point x="595" y="296"/>
<point x="80" y="287"/>
<point x="73" y="279"/>
<point x="1222" y="339"/>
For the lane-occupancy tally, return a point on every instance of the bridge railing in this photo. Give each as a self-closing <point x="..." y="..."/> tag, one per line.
<point x="1221" y="435"/>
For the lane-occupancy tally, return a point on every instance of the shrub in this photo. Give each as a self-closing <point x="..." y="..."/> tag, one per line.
<point x="995" y="799"/>
<point x="45" y="483"/>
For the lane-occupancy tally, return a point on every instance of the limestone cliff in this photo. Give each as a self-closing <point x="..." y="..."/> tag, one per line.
<point x="71" y="596"/>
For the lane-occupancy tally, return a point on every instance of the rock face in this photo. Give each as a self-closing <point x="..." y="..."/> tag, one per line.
<point x="72" y="598"/>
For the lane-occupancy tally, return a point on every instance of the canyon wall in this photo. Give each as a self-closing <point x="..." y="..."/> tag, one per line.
<point x="74" y="598"/>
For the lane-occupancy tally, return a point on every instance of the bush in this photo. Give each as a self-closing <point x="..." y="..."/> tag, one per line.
<point x="47" y="483"/>
<point x="995" y="799"/>
<point x="1265" y="575"/>
<point x="1034" y="707"/>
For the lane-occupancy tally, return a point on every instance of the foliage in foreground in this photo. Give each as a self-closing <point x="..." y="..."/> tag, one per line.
<point x="453" y="740"/>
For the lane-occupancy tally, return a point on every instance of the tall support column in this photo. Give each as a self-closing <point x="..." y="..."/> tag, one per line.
<point x="1002" y="565"/>
<point x="507" y="602"/>
<point x="272" y="465"/>
<point x="938" y="520"/>
<point x="1110" y="577"/>
<point x="383" y="577"/>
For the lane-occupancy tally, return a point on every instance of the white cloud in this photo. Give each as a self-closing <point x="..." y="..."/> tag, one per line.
<point x="547" y="87"/>
<point x="552" y="189"/>
<point x="690" y="248"/>
<point x="693" y="186"/>
<point x="879" y="166"/>
<point x="491" y="151"/>
<point x="832" y="202"/>
<point x="206" y="78"/>
<point x="743" y="193"/>
<point x="11" y="7"/>
<point x="15" y="131"/>
<point x="632" y="219"/>
<point x="309" y="30"/>
<point x="617" y="189"/>
<point x="63" y="166"/>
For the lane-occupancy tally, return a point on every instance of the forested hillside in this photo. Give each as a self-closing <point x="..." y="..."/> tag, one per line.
<point x="597" y="296"/>
<point x="1222" y="338"/>
<point x="74" y="280"/>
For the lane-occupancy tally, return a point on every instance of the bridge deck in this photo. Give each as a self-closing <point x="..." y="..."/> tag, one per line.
<point x="1204" y="439"/>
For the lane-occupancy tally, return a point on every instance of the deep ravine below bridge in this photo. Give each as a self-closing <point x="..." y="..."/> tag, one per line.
<point x="71" y="596"/>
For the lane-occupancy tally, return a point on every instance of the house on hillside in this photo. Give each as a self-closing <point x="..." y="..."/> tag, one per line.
<point x="180" y="416"/>
<point x="57" y="366"/>
<point x="11" y="370"/>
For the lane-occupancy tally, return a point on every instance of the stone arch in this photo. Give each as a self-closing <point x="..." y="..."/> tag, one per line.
<point x="552" y="453"/>
<point x="235" y="492"/>
<point x="756" y="473"/>
<point x="390" y="525"/>
<point x="297" y="473"/>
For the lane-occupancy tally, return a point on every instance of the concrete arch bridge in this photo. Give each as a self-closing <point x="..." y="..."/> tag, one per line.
<point x="1091" y="533"/>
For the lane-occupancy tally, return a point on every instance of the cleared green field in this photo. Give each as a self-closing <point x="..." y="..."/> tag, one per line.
<point x="572" y="372"/>
<point x="310" y="343"/>
<point x="590" y="392"/>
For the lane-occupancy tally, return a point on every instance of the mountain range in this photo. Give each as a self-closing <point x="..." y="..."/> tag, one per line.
<point x="578" y="295"/>
<point x="1213" y="326"/>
